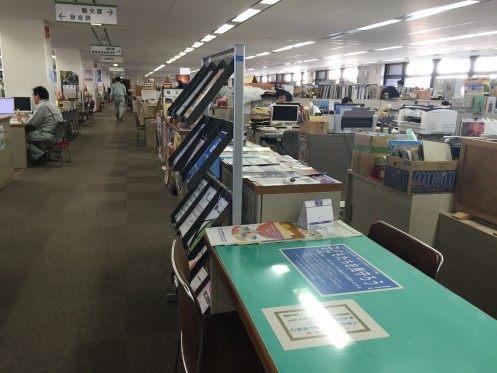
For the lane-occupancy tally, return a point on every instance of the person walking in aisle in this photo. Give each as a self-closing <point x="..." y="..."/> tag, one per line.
<point x="40" y="126"/>
<point x="118" y="95"/>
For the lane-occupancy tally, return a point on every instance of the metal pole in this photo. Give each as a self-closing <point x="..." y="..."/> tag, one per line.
<point x="238" y="134"/>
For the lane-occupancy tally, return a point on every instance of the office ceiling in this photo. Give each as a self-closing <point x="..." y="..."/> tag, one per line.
<point x="151" y="32"/>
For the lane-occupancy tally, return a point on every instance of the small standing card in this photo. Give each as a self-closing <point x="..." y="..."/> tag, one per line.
<point x="316" y="214"/>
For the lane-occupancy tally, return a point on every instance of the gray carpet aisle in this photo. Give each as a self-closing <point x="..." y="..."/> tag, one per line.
<point x="85" y="259"/>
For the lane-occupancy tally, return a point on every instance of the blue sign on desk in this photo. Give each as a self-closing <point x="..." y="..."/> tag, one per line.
<point x="336" y="269"/>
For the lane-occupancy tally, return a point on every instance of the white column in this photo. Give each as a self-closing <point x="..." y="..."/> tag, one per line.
<point x="26" y="57"/>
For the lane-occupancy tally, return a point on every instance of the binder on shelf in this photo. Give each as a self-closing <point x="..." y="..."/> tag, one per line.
<point x="199" y="133"/>
<point x="206" y="153"/>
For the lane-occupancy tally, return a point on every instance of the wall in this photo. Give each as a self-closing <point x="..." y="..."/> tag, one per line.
<point x="26" y="57"/>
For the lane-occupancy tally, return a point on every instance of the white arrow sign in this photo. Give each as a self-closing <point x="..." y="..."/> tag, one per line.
<point x="85" y="13"/>
<point x="107" y="50"/>
<point x="110" y="59"/>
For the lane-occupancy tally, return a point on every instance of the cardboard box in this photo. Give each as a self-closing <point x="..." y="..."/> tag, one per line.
<point x="314" y="128"/>
<point x="369" y="150"/>
<point x="423" y="94"/>
<point x="420" y="177"/>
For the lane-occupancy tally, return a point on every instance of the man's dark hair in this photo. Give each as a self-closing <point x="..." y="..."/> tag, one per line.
<point x="118" y="78"/>
<point x="347" y="100"/>
<point x="41" y="92"/>
<point x="401" y="82"/>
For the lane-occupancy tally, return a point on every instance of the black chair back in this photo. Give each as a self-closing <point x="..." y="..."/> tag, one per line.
<point x="290" y="143"/>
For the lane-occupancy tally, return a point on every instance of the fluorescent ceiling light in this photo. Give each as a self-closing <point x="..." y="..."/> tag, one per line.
<point x="53" y="55"/>
<point x="224" y="28"/>
<point x="188" y="50"/>
<point x="302" y="44"/>
<point x="283" y="49"/>
<point x="181" y="54"/>
<point x="335" y="56"/>
<point x="289" y="63"/>
<point x="115" y="64"/>
<point x="388" y="48"/>
<point x="250" y="69"/>
<point x="96" y="24"/>
<point x="264" y="67"/>
<point x="208" y="38"/>
<point x="393" y="59"/>
<point x="159" y="67"/>
<point x="197" y="44"/>
<point x="250" y="57"/>
<point x="269" y="2"/>
<point x="263" y="54"/>
<point x="312" y="59"/>
<point x="380" y="24"/>
<point x="439" y="9"/>
<point x="452" y="38"/>
<point x="355" y="53"/>
<point x="245" y="15"/>
<point x="369" y="62"/>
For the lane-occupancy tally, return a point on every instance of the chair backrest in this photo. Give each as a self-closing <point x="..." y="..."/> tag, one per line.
<point x="189" y="314"/>
<point x="60" y="130"/>
<point x="290" y="143"/>
<point x="410" y="249"/>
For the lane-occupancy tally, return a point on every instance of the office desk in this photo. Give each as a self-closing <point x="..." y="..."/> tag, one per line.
<point x="430" y="329"/>
<point x="19" y="156"/>
<point x="6" y="169"/>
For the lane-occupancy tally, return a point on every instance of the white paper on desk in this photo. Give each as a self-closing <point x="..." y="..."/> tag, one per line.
<point x="316" y="214"/>
<point x="330" y="323"/>
<point x="338" y="229"/>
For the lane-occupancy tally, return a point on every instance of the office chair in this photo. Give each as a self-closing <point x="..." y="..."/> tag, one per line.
<point x="290" y="143"/>
<point x="211" y="343"/>
<point x="60" y="143"/>
<point x="140" y="129"/>
<point x="406" y="247"/>
<point x="91" y="110"/>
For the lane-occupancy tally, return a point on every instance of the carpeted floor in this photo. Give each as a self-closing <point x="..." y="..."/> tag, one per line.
<point x="85" y="259"/>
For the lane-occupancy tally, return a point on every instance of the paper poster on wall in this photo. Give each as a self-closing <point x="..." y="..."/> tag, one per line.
<point x="88" y="75"/>
<point x="313" y="324"/>
<point x="336" y="269"/>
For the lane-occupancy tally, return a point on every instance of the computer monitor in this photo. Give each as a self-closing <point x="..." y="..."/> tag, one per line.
<point x="6" y="106"/>
<point x="285" y="114"/>
<point x="23" y="104"/>
<point x="338" y="107"/>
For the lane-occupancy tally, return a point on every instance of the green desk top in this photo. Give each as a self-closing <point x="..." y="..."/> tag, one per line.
<point x="430" y="328"/>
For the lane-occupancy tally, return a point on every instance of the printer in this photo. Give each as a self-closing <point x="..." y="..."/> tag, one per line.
<point x="356" y="119"/>
<point x="427" y="119"/>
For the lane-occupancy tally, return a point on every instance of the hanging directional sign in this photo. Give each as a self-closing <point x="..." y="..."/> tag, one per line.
<point x="110" y="59"/>
<point x="116" y="68"/>
<point x="106" y="50"/>
<point x="85" y="13"/>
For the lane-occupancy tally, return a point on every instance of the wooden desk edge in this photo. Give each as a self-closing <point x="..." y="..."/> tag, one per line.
<point x="253" y="334"/>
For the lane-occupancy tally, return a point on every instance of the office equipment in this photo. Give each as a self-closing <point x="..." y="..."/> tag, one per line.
<point x="416" y="214"/>
<point x="211" y="343"/>
<point x="23" y="104"/>
<point x="285" y="114"/>
<point x="357" y="119"/>
<point x="340" y="108"/>
<point x="6" y="106"/>
<point x="413" y="251"/>
<point x="291" y="298"/>
<point x="427" y="119"/>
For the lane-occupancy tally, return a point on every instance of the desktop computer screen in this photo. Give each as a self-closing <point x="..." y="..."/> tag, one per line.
<point x="23" y="104"/>
<point x="339" y="108"/>
<point x="285" y="114"/>
<point x="6" y="106"/>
